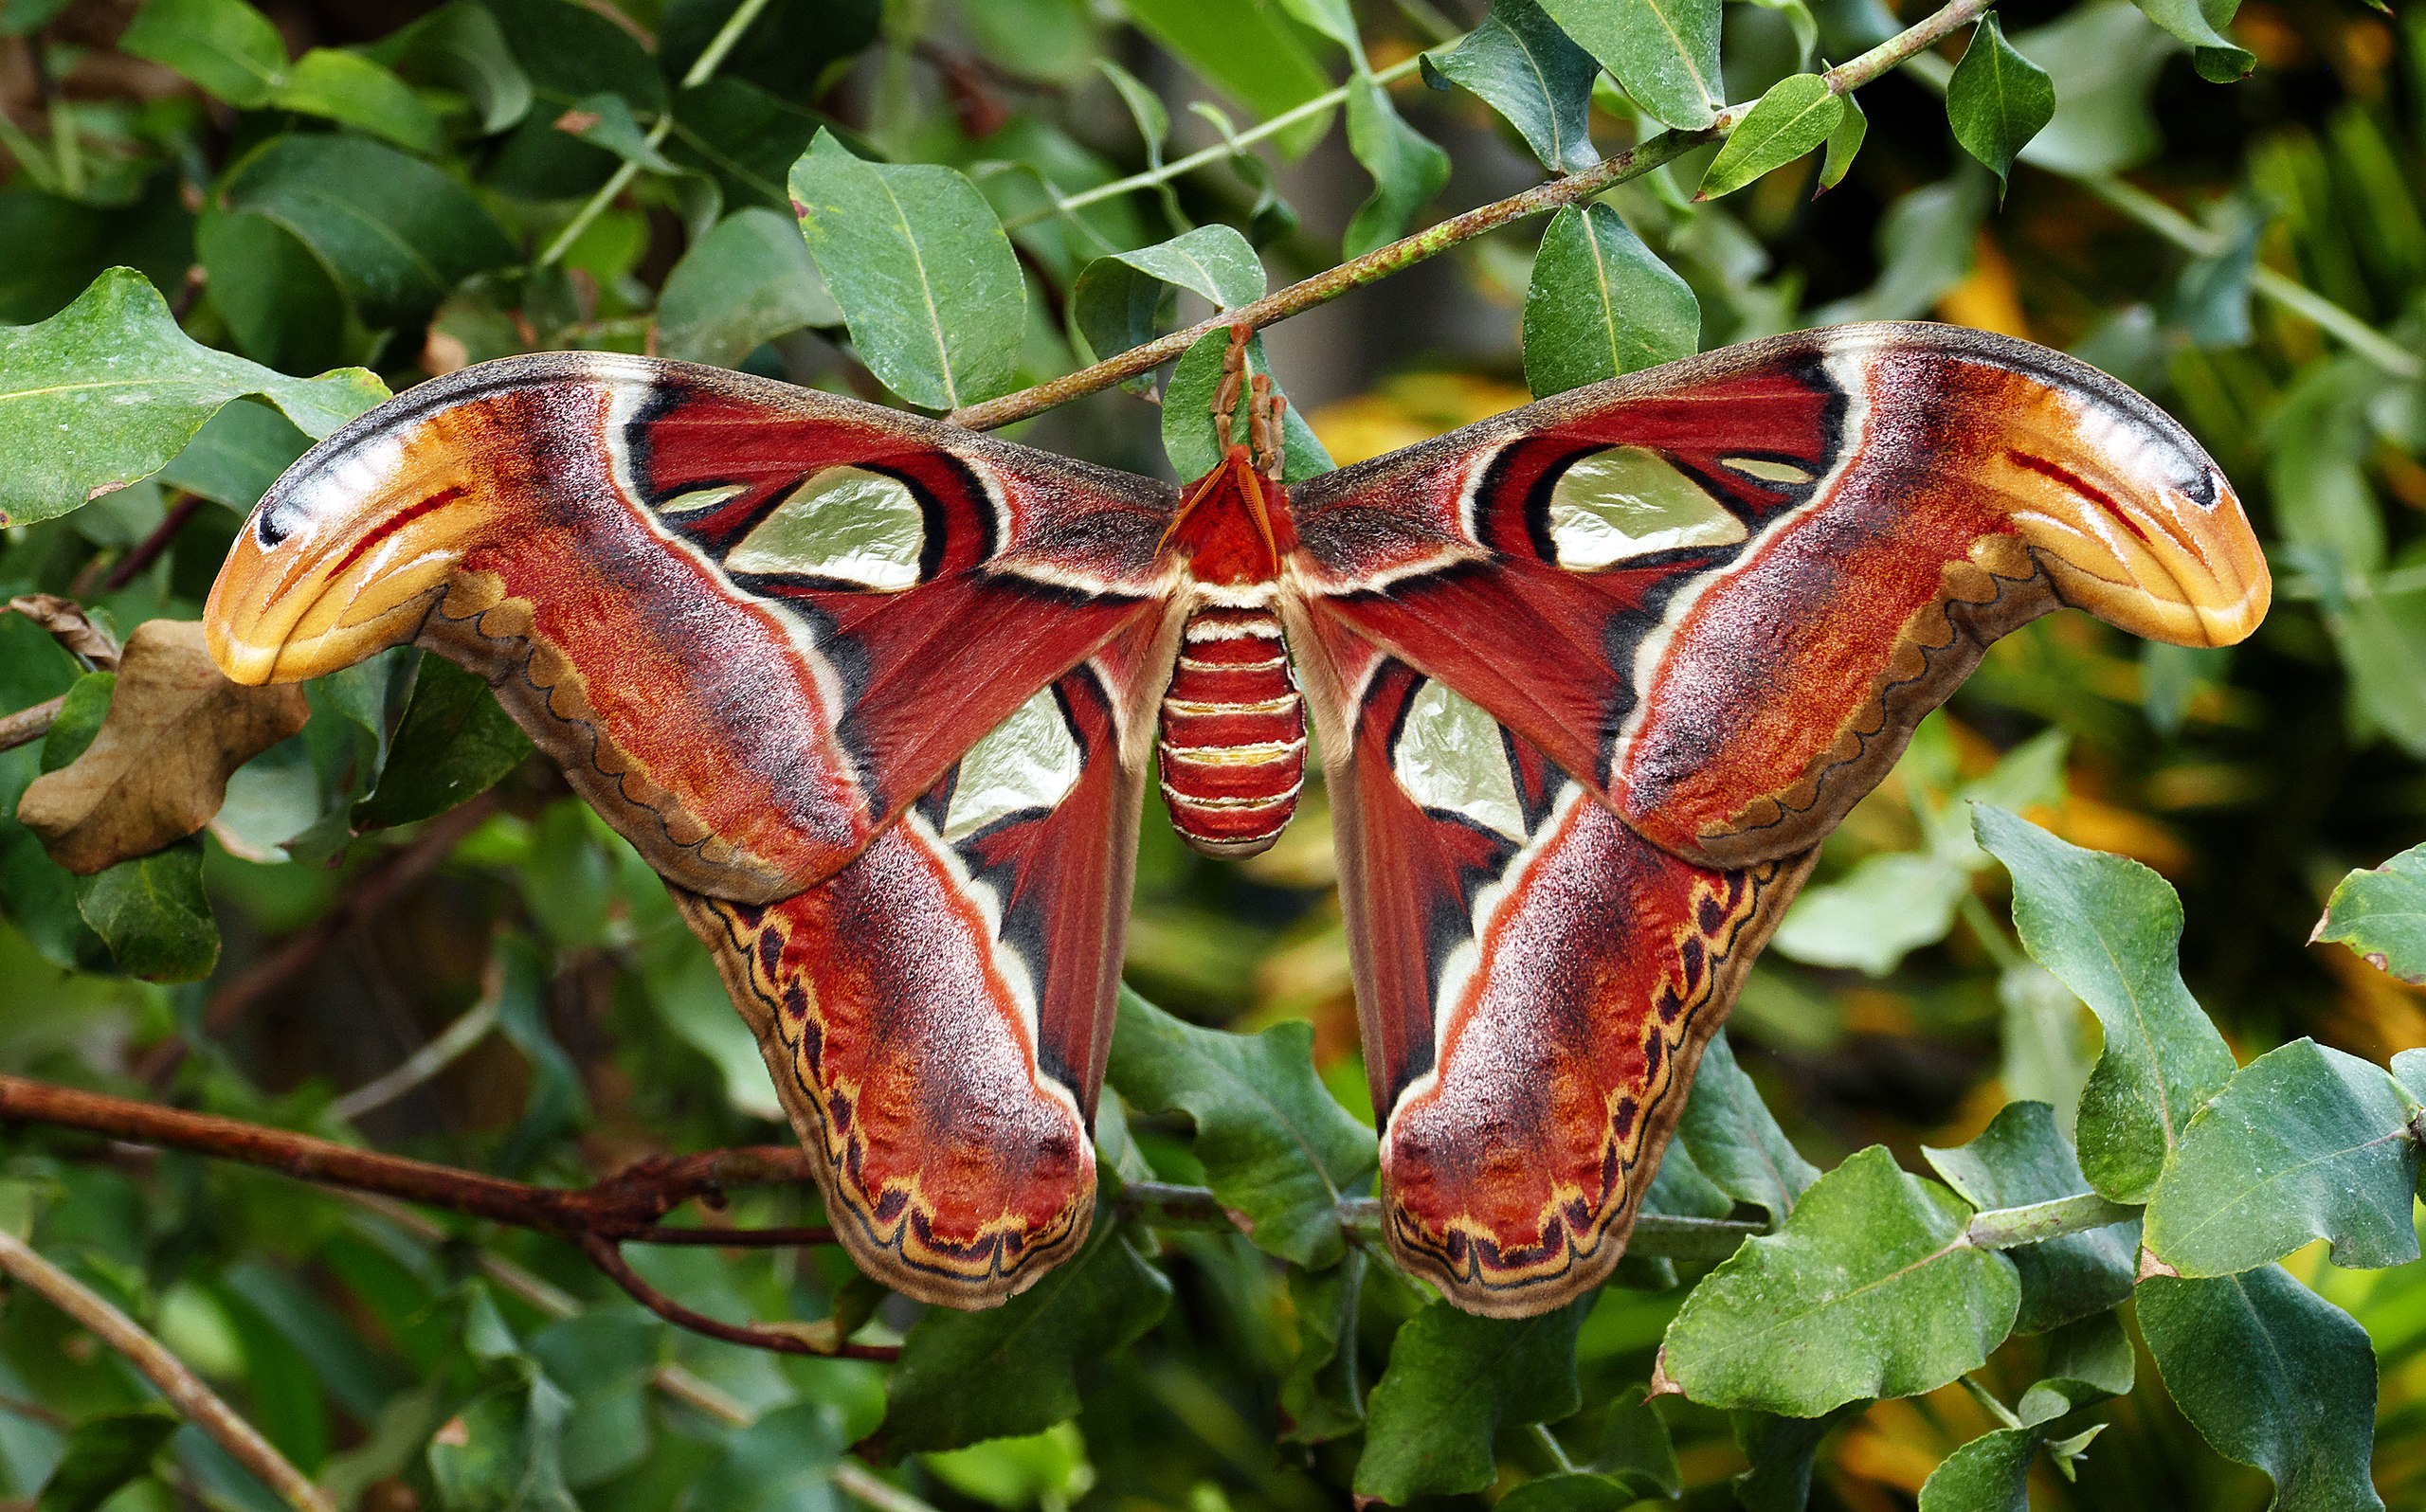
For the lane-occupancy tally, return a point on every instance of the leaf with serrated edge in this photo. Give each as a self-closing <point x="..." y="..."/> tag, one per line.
<point x="2380" y="914"/>
<point x="1277" y="1148"/>
<point x="1454" y="1381"/>
<point x="1521" y="65"/>
<point x="1797" y="115"/>
<point x="109" y="389"/>
<point x="2305" y="1142"/>
<point x="1600" y="303"/>
<point x="2271" y="1375"/>
<point x="920" y="266"/>
<point x="2021" y="1158"/>
<point x="2111" y="930"/>
<point x="1870" y="1288"/>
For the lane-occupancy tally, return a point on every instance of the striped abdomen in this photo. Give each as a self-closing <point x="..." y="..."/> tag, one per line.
<point x="1234" y="734"/>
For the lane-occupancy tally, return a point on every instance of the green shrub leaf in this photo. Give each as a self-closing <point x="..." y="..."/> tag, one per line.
<point x="2380" y="913"/>
<point x="1277" y="1148"/>
<point x="2274" y="1375"/>
<point x="2021" y="1158"/>
<point x="2305" y="1142"/>
<point x="2110" y="928"/>
<point x="109" y="389"/>
<point x="741" y="285"/>
<point x="1455" y="1381"/>
<point x="102" y="1456"/>
<point x="1407" y="168"/>
<point x="1249" y="51"/>
<point x="1989" y="1474"/>
<point x="1189" y="435"/>
<point x="153" y="914"/>
<point x="2199" y="22"/>
<point x="1665" y="52"/>
<point x="1601" y="303"/>
<point x="348" y="87"/>
<point x="1796" y="115"/>
<point x="1323" y="1395"/>
<point x="1122" y="300"/>
<point x="1998" y="99"/>
<point x="1843" y="144"/>
<point x="1522" y="65"/>
<point x="1734" y="1141"/>
<point x="226" y="47"/>
<point x="922" y="271"/>
<point x="971" y="1376"/>
<point x="236" y="457"/>
<point x="454" y="743"/>
<point x="1780" y="1450"/>
<point x="463" y="48"/>
<point x="1870" y="1288"/>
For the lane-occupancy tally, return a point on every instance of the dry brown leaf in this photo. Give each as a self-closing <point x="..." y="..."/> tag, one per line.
<point x="65" y="622"/>
<point x="159" y="769"/>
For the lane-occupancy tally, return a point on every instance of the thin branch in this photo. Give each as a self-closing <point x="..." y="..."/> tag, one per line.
<point x="147" y="550"/>
<point x="1433" y="240"/>
<point x="2012" y="1228"/>
<point x="452" y="1044"/>
<point x="27" y="725"/>
<point x="200" y="1405"/>
<point x="820" y="1338"/>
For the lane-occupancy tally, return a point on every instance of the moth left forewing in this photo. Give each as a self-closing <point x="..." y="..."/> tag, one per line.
<point x="935" y="1015"/>
<point x="1536" y="981"/>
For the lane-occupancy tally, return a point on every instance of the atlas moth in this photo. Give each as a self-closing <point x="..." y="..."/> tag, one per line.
<point x="881" y="698"/>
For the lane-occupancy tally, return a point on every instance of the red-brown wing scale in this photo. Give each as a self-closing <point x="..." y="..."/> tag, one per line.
<point x="935" y="1015"/>
<point x="754" y="622"/>
<point x="1595" y="678"/>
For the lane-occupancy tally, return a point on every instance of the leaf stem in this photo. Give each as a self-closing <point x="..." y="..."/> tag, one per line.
<point x="1987" y="1398"/>
<point x="2012" y="1228"/>
<point x="703" y="68"/>
<point x="1550" y="1446"/>
<point x="200" y="1405"/>
<point x="1433" y="240"/>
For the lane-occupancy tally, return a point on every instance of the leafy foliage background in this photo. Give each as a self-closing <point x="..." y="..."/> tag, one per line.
<point x="319" y="185"/>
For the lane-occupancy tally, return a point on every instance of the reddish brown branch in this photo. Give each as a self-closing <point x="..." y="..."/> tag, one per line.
<point x="148" y="550"/>
<point x="623" y="1207"/>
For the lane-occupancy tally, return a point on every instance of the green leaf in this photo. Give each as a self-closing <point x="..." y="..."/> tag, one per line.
<point x="743" y="284"/>
<point x="569" y="51"/>
<point x="1989" y="1474"/>
<point x="971" y="1376"/>
<point x="2274" y="1375"/>
<point x="1870" y="1288"/>
<point x="453" y="743"/>
<point x="1998" y="99"/>
<point x="1734" y="1141"/>
<point x="1665" y="52"/>
<point x="1278" y="1150"/>
<point x="505" y="1452"/>
<point x="1780" y="1450"/>
<point x="394" y="232"/>
<point x="102" y="1456"/>
<point x="2305" y="1142"/>
<point x="2200" y="22"/>
<point x="1635" y="1460"/>
<point x="922" y="271"/>
<point x="109" y="389"/>
<point x="2380" y="914"/>
<point x="226" y="47"/>
<point x="1120" y="300"/>
<point x="1601" y="303"/>
<point x="1247" y="50"/>
<point x="2088" y="1361"/>
<point x="1323" y="1395"/>
<point x="1843" y="143"/>
<point x="153" y="915"/>
<point x="462" y="48"/>
<point x="350" y="88"/>
<point x="1926" y="242"/>
<point x="79" y="721"/>
<point x="1407" y="168"/>
<point x="1796" y="115"/>
<point x="1188" y="437"/>
<point x="236" y="457"/>
<point x="1522" y="65"/>
<point x="2104" y="57"/>
<point x="1454" y="1381"/>
<point x="2111" y="930"/>
<point x="2021" y="1158"/>
<point x="792" y="50"/>
<point x="1888" y="905"/>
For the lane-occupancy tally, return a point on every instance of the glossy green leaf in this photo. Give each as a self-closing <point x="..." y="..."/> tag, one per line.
<point x="1521" y="65"/>
<point x="463" y="48"/>
<point x="1600" y="303"/>
<point x="504" y="1452"/>
<point x="569" y="51"/>
<point x="1189" y="435"/>
<point x="102" y="1456"/>
<point x="2200" y="22"/>
<point x="921" y="269"/>
<point x="1407" y="168"/>
<point x="2088" y="1360"/>
<point x="2111" y="930"/>
<point x="454" y="743"/>
<point x="109" y="389"/>
<point x="1248" y="50"/>
<point x="1734" y="1141"/>
<point x="236" y="457"/>
<point x="1843" y="143"/>
<point x="2380" y="914"/>
<point x="350" y="88"/>
<point x="1794" y="117"/>
<point x="2274" y="1375"/>
<point x="2022" y="1158"/>
<point x="2305" y="1142"/>
<point x="226" y="47"/>
<point x="1454" y="1381"/>
<point x="153" y="914"/>
<point x="395" y="233"/>
<point x="1780" y="1450"/>
<point x="1122" y="300"/>
<point x="1323" y="1395"/>
<point x="971" y="1376"/>
<point x="1870" y="1289"/>
<point x="1998" y="99"/>
<point x="1665" y="52"/>
<point x="1278" y="1150"/>
<point x="743" y="284"/>
<point x="1989" y="1474"/>
<point x="1886" y="907"/>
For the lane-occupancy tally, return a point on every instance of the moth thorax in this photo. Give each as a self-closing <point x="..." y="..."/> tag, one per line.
<point x="1233" y="744"/>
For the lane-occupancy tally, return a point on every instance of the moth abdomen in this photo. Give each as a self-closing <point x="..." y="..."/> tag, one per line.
<point x="1233" y="745"/>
